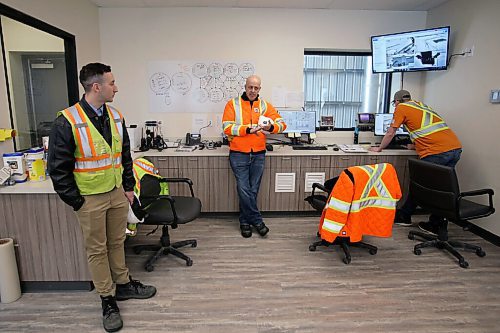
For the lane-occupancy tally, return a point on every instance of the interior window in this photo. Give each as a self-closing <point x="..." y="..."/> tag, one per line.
<point x="339" y="85"/>
<point x="40" y="74"/>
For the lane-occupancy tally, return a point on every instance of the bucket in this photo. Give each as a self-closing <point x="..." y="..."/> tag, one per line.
<point x="35" y="164"/>
<point x="15" y="161"/>
<point x="10" y="288"/>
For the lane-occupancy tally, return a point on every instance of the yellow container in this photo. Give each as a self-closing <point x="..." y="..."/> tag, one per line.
<point x="35" y="165"/>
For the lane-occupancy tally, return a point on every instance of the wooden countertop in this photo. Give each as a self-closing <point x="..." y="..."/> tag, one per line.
<point x="31" y="187"/>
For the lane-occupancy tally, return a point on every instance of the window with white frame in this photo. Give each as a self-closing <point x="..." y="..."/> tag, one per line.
<point x="341" y="85"/>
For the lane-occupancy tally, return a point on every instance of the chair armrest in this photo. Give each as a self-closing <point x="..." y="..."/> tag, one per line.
<point x="171" y="201"/>
<point x="473" y="193"/>
<point x="318" y="185"/>
<point x="180" y="180"/>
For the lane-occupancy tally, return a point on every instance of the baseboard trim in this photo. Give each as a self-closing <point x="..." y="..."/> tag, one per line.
<point x="51" y="286"/>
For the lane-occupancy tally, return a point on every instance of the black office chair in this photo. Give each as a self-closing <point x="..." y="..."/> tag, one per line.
<point x="435" y="188"/>
<point x="165" y="211"/>
<point x="318" y="202"/>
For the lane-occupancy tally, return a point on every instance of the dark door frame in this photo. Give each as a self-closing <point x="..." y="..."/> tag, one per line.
<point x="69" y="52"/>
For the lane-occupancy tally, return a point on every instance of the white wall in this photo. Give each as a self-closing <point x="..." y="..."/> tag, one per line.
<point x="461" y="94"/>
<point x="274" y="39"/>
<point x="77" y="17"/>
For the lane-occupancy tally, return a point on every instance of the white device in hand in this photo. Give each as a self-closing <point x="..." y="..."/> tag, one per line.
<point x="265" y="121"/>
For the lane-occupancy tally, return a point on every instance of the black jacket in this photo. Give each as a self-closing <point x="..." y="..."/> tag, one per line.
<point x="61" y="159"/>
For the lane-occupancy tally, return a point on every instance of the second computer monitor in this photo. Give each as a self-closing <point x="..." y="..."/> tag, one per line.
<point x="383" y="122"/>
<point x="299" y="121"/>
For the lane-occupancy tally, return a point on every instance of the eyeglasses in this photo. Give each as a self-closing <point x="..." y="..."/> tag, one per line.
<point x="393" y="103"/>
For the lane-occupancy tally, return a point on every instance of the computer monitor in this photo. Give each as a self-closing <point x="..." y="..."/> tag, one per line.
<point x="422" y="50"/>
<point x="366" y="118"/>
<point x="299" y="121"/>
<point x="383" y="122"/>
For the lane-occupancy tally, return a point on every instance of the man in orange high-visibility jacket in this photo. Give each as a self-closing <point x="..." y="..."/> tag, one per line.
<point x="363" y="202"/>
<point x="247" y="145"/>
<point x="434" y="141"/>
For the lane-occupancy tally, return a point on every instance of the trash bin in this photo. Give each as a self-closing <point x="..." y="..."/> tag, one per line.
<point x="10" y="289"/>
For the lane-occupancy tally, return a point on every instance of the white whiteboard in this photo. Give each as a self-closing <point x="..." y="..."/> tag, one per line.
<point x="195" y="86"/>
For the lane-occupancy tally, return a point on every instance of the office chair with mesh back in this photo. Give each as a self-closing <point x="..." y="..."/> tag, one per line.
<point x="165" y="211"/>
<point x="435" y="188"/>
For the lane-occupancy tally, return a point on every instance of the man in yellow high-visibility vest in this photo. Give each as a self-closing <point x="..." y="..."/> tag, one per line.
<point x="91" y="169"/>
<point x="433" y="140"/>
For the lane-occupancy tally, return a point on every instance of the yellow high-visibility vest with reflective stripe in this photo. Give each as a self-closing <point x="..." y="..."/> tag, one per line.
<point x="98" y="167"/>
<point x="144" y="167"/>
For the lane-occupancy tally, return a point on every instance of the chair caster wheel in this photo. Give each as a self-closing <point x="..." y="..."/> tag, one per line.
<point x="417" y="252"/>
<point x="150" y="268"/>
<point x="312" y="248"/>
<point x="137" y="251"/>
<point x="372" y="252"/>
<point x="463" y="263"/>
<point x="480" y="253"/>
<point x="346" y="261"/>
<point x="195" y="244"/>
<point x="411" y="236"/>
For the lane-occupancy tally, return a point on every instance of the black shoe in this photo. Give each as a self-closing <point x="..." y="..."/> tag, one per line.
<point x="428" y="227"/>
<point x="134" y="289"/>
<point x="111" y="319"/>
<point x="402" y="220"/>
<point x="246" y="230"/>
<point x="262" y="229"/>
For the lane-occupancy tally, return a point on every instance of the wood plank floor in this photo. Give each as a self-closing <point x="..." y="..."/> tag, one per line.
<point x="273" y="285"/>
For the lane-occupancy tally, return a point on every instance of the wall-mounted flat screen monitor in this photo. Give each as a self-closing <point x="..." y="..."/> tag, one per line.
<point x="422" y="50"/>
<point x="383" y="122"/>
<point x="299" y="121"/>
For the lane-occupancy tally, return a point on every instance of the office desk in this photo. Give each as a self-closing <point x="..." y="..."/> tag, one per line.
<point x="50" y="248"/>
<point x="215" y="185"/>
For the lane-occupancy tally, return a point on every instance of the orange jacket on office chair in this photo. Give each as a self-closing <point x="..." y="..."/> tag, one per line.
<point x="363" y="202"/>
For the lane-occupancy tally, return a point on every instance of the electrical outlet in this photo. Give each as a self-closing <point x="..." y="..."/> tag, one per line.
<point x="469" y="52"/>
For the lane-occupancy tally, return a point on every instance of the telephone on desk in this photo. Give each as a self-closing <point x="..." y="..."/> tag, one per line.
<point x="193" y="139"/>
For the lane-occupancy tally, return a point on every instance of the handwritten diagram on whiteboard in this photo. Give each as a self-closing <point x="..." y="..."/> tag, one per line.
<point x="196" y="86"/>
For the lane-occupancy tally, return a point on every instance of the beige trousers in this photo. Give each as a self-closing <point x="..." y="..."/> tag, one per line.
<point x="103" y="219"/>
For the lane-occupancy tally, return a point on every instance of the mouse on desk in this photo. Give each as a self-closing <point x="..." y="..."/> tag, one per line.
<point x="269" y="147"/>
<point x="335" y="147"/>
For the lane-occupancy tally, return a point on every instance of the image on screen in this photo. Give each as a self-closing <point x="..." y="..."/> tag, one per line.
<point x="299" y="121"/>
<point x="366" y="118"/>
<point x="421" y="50"/>
<point x="383" y="122"/>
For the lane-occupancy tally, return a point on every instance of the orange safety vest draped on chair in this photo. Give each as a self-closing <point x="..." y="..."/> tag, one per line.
<point x="364" y="205"/>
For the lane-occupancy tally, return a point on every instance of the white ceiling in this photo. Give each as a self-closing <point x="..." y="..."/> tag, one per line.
<point x="397" y="5"/>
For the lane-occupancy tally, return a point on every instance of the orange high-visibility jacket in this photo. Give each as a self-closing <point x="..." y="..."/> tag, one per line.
<point x="239" y="115"/>
<point x="363" y="205"/>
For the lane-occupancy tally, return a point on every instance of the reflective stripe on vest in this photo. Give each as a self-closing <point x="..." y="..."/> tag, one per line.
<point x="383" y="198"/>
<point x="426" y="125"/>
<point x="238" y="115"/>
<point x="90" y="160"/>
<point x="140" y="168"/>
<point x="98" y="166"/>
<point x="332" y="226"/>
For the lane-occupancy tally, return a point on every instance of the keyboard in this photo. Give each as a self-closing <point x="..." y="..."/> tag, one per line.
<point x="305" y="147"/>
